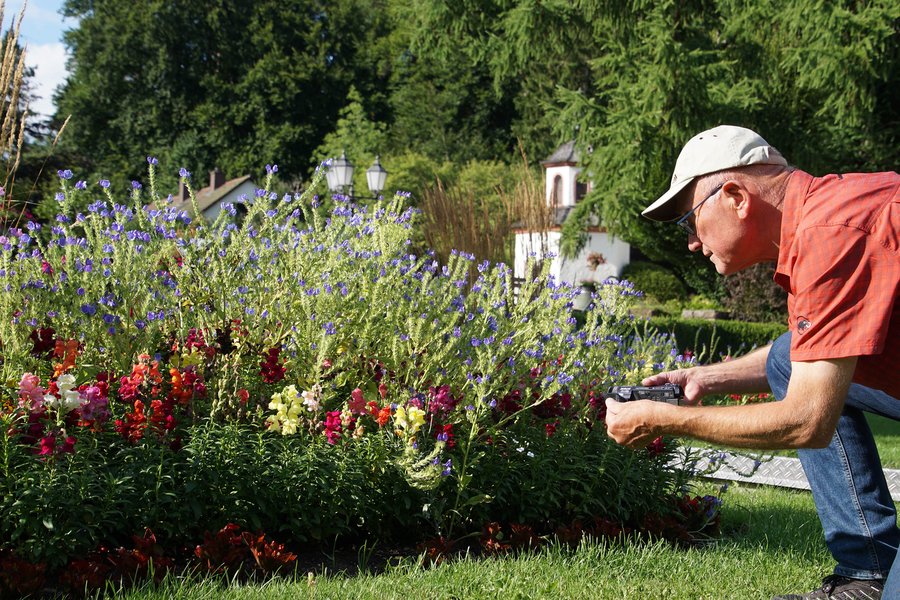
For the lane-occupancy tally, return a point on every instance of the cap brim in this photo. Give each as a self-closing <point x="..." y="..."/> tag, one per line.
<point x="666" y="208"/>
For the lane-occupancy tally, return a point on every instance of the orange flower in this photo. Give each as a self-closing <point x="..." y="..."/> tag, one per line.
<point x="384" y="415"/>
<point x="68" y="351"/>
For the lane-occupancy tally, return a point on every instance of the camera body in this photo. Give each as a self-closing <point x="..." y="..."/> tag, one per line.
<point x="668" y="393"/>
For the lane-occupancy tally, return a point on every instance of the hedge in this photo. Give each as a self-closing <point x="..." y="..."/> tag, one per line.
<point x="717" y="337"/>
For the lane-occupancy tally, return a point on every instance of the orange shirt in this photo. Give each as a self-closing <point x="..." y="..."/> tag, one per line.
<point x="839" y="261"/>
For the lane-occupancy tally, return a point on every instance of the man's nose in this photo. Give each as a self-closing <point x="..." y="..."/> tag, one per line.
<point x="694" y="243"/>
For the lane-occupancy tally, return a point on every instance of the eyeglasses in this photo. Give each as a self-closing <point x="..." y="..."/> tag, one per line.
<point x="686" y="222"/>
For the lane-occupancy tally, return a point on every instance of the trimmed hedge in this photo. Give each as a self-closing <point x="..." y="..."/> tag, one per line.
<point x="713" y="338"/>
<point x="654" y="280"/>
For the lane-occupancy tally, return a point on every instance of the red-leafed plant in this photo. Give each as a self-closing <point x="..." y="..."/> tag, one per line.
<point x="223" y="551"/>
<point x="270" y="556"/>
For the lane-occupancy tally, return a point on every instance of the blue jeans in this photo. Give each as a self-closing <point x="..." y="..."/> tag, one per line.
<point x="848" y="483"/>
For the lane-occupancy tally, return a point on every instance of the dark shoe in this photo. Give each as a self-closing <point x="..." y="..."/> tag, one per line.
<point x="837" y="587"/>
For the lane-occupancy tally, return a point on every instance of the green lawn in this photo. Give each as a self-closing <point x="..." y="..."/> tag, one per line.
<point x="771" y="543"/>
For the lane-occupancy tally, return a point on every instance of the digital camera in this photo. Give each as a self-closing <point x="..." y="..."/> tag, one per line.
<point x="668" y="393"/>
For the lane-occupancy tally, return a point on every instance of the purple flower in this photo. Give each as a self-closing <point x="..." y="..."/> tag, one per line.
<point x="64" y="174"/>
<point x="104" y="183"/>
<point x="81" y="185"/>
<point x="136" y="185"/>
<point x="182" y="172"/>
<point x="88" y="309"/>
<point x="152" y="160"/>
<point x="270" y="169"/>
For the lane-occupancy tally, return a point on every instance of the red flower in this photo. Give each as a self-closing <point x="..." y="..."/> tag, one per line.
<point x="48" y="445"/>
<point x="68" y="446"/>
<point x="551" y="428"/>
<point x="243" y="396"/>
<point x="43" y="341"/>
<point x="271" y="368"/>
<point x="656" y="447"/>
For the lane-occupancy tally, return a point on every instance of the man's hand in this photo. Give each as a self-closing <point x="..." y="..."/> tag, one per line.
<point x="634" y="424"/>
<point x="688" y="379"/>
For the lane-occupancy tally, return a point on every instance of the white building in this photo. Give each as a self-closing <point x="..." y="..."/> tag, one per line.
<point x="603" y="256"/>
<point x="211" y="198"/>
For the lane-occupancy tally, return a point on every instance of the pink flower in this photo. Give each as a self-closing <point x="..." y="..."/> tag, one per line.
<point x="357" y="403"/>
<point x="95" y="409"/>
<point x="31" y="394"/>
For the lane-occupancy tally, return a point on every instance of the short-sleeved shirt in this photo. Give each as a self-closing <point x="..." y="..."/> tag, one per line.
<point x="839" y="261"/>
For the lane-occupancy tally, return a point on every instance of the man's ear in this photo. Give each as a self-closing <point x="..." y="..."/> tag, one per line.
<point x="738" y="197"/>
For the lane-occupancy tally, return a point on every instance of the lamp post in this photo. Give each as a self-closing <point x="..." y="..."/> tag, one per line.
<point x="340" y="177"/>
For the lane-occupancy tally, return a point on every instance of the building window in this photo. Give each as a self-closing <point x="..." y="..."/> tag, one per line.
<point x="556" y="193"/>
<point x="581" y="190"/>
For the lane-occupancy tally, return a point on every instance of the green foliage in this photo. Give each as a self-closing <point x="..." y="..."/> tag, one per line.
<point x="208" y="84"/>
<point x="654" y="280"/>
<point x="356" y="135"/>
<point x="633" y="81"/>
<point x="718" y="337"/>
<point x="753" y="295"/>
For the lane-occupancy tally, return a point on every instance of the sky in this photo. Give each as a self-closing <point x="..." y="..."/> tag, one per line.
<point x="41" y="34"/>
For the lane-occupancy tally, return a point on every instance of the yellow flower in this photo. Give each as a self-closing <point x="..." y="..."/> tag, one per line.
<point x="408" y="420"/>
<point x="288" y="406"/>
<point x="416" y="418"/>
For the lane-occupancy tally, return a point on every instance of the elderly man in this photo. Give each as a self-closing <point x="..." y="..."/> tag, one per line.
<point x="836" y="243"/>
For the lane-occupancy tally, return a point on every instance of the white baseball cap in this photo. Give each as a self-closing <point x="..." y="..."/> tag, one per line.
<point x="716" y="149"/>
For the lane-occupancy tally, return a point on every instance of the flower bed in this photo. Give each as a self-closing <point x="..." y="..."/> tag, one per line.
<point x="302" y="375"/>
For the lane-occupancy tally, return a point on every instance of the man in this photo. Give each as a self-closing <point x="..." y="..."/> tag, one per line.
<point x="836" y="240"/>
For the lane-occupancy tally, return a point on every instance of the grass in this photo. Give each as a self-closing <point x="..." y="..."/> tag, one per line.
<point x="771" y="543"/>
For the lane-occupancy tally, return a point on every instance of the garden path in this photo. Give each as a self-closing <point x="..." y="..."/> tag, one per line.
<point x="778" y="471"/>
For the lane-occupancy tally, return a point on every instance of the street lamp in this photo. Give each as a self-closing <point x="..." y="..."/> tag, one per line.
<point x="340" y="177"/>
<point x="375" y="177"/>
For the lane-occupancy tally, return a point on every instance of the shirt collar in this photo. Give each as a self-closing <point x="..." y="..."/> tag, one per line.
<point x="794" y="197"/>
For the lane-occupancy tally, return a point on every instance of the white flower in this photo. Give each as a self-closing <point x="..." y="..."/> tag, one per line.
<point x="65" y="383"/>
<point x="72" y="399"/>
<point x="310" y="400"/>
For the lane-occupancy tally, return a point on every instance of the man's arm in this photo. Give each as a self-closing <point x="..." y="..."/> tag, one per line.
<point x="806" y="418"/>
<point x="745" y="375"/>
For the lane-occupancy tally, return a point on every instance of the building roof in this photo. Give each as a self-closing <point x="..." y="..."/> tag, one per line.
<point x="565" y="154"/>
<point x="207" y="197"/>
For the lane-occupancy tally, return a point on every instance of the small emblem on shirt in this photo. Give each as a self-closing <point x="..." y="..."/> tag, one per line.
<point x="803" y="324"/>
